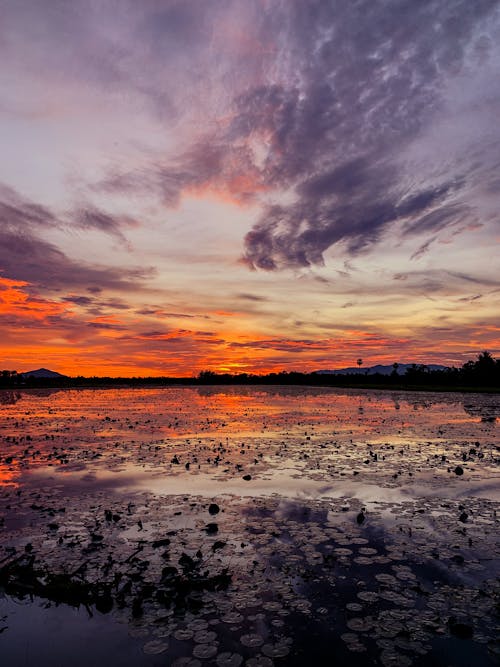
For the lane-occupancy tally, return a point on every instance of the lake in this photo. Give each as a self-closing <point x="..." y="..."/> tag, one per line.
<point x="250" y="526"/>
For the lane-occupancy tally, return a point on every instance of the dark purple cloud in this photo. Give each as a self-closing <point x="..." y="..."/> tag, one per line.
<point x="25" y="255"/>
<point x="93" y="305"/>
<point x="336" y="101"/>
<point x="251" y="297"/>
<point x="18" y="213"/>
<point x="21" y="215"/>
<point x="90" y="217"/>
<point x="78" y="300"/>
<point x="370" y="77"/>
<point x="159" y="312"/>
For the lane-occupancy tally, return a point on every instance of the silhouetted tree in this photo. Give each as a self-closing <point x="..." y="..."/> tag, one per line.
<point x="207" y="376"/>
<point x="8" y="378"/>
<point x="484" y="371"/>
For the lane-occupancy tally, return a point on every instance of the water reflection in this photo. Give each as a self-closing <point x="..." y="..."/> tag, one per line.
<point x="488" y="410"/>
<point x="269" y="434"/>
<point x="8" y="475"/>
<point x="8" y="397"/>
<point x="11" y="397"/>
<point x="219" y="523"/>
<point x="482" y="405"/>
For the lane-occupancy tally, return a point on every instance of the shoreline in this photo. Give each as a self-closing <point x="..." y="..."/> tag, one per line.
<point x="131" y="384"/>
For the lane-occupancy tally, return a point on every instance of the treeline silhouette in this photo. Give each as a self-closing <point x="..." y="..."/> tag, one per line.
<point x="484" y="373"/>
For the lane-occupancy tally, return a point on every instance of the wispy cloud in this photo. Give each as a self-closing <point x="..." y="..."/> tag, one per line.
<point x="25" y="255"/>
<point x="90" y="217"/>
<point x="251" y="297"/>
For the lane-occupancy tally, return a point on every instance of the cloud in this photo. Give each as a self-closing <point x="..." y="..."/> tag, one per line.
<point x="353" y="339"/>
<point x="438" y="282"/>
<point x="78" y="300"/>
<point x="369" y="83"/>
<point x="16" y="305"/>
<point x="251" y="297"/>
<point x="149" y="57"/>
<point x="422" y="249"/>
<point x="21" y="215"/>
<point x="106" y="323"/>
<point x="25" y="255"/>
<point x="474" y="279"/>
<point x="18" y="213"/>
<point x="211" y="166"/>
<point x="469" y="299"/>
<point x="333" y="118"/>
<point x="90" y="217"/>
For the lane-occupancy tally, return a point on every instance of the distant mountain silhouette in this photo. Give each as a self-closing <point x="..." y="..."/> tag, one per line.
<point x="42" y="373"/>
<point x="379" y="368"/>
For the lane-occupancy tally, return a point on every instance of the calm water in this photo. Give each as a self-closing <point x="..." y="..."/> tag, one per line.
<point x="246" y="525"/>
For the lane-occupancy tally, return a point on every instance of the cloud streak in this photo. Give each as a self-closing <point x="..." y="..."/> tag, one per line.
<point x="26" y="256"/>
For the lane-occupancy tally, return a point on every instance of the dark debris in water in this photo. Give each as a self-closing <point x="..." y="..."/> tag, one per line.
<point x="276" y="572"/>
<point x="270" y="579"/>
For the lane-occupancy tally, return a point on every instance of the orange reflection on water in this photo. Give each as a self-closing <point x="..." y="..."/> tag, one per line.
<point x="8" y="476"/>
<point x="60" y="428"/>
<point x="280" y="438"/>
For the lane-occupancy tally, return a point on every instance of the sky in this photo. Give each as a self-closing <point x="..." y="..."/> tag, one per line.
<point x="248" y="185"/>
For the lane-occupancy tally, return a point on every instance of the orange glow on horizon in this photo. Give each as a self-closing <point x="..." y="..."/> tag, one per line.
<point x="192" y="354"/>
<point x="39" y="332"/>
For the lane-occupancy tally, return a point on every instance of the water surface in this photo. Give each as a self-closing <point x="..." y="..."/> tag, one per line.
<point x="356" y="523"/>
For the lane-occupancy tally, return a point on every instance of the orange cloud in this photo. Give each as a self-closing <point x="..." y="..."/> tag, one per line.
<point x="237" y="189"/>
<point x="225" y="313"/>
<point x="38" y="332"/>
<point x="15" y="301"/>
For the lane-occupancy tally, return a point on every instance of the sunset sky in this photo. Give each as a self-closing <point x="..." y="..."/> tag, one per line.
<point x="248" y="185"/>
